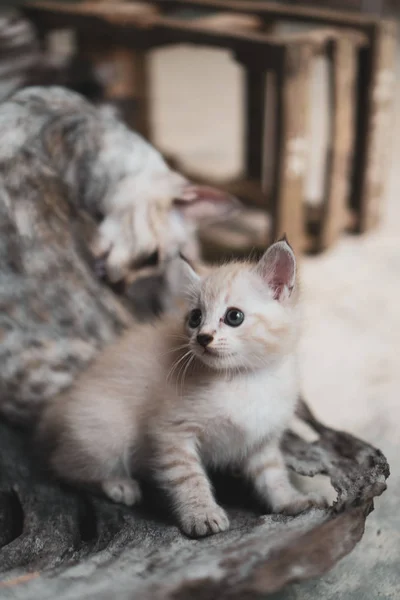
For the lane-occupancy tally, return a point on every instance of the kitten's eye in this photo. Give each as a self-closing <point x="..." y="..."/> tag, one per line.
<point x="234" y="317"/>
<point x="195" y="318"/>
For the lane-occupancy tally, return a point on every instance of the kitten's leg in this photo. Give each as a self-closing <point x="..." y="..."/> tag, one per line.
<point x="121" y="490"/>
<point x="95" y="467"/>
<point x="267" y="469"/>
<point x="180" y="472"/>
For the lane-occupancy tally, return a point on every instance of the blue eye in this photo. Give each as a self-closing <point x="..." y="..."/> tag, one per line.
<point x="234" y="317"/>
<point x="194" y="319"/>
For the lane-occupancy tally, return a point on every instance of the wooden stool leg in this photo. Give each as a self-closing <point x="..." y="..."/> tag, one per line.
<point x="335" y="213"/>
<point x="255" y="99"/>
<point x="292" y="94"/>
<point x="257" y="83"/>
<point x="374" y="107"/>
<point x="130" y="88"/>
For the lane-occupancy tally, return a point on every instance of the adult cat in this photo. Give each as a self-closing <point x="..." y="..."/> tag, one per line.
<point x="77" y="186"/>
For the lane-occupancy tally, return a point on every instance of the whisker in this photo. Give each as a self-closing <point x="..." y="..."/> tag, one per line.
<point x="176" y="363"/>
<point x="179" y="377"/>
<point x="189" y="362"/>
<point x="175" y="349"/>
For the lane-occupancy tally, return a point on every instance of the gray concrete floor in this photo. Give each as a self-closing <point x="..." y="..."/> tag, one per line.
<point x="350" y="353"/>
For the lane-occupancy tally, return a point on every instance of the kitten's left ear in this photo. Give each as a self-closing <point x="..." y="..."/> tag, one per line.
<point x="180" y="276"/>
<point x="277" y="267"/>
<point x="204" y="204"/>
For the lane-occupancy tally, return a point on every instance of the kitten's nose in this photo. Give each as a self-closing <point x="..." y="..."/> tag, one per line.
<point x="204" y="339"/>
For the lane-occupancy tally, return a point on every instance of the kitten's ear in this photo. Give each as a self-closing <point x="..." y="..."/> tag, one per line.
<point x="277" y="267"/>
<point x="204" y="204"/>
<point x="181" y="278"/>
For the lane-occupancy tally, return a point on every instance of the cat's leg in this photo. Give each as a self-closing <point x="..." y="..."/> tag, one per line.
<point x="267" y="470"/>
<point x="180" y="472"/>
<point x="92" y="473"/>
<point x="90" y="460"/>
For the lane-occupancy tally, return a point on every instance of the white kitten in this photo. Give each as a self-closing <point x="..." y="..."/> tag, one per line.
<point x="215" y="388"/>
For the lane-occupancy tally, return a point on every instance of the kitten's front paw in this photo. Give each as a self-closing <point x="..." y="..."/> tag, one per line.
<point x="204" y="520"/>
<point x="123" y="491"/>
<point x="298" y="503"/>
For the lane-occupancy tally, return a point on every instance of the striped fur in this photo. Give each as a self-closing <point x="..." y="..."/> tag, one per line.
<point x="173" y="408"/>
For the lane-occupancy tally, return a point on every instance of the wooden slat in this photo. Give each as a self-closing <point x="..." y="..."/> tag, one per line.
<point x="292" y="88"/>
<point x="340" y="151"/>
<point x="311" y="14"/>
<point x="226" y="21"/>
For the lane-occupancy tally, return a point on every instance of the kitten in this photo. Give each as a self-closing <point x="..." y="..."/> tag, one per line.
<point x="78" y="187"/>
<point x="215" y="387"/>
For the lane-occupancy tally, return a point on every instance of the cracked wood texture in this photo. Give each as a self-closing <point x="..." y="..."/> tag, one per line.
<point x="57" y="542"/>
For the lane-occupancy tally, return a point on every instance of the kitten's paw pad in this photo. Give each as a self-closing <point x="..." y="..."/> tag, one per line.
<point x="299" y="503"/>
<point x="205" y="520"/>
<point x="123" y="491"/>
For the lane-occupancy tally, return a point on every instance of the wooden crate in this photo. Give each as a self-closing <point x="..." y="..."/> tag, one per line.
<point x="360" y="52"/>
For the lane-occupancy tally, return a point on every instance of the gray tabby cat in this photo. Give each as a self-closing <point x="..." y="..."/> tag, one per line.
<point x="76" y="187"/>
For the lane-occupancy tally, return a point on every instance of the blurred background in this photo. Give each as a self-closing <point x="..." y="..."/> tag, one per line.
<point x="295" y="110"/>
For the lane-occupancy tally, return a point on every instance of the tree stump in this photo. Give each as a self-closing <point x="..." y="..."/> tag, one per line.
<point x="57" y="542"/>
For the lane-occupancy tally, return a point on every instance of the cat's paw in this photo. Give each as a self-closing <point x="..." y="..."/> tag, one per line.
<point x="112" y="247"/>
<point x="123" y="491"/>
<point x="298" y="503"/>
<point x="204" y="520"/>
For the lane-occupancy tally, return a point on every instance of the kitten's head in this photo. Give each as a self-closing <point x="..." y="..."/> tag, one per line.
<point x="241" y="315"/>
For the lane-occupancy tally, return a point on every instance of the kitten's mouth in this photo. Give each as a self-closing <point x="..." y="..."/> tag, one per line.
<point x="211" y="352"/>
<point x="215" y="353"/>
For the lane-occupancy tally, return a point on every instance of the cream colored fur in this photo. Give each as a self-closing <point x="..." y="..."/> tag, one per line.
<point x="159" y="402"/>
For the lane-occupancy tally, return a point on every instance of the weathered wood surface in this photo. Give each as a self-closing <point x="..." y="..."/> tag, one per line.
<point x="59" y="543"/>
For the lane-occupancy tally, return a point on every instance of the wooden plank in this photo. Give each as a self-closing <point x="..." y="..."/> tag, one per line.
<point x="292" y="89"/>
<point x="158" y="29"/>
<point x="377" y="125"/>
<point x="311" y="14"/>
<point x="343" y="67"/>
<point x="226" y="21"/>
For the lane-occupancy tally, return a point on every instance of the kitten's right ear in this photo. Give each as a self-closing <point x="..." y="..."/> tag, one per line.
<point x="277" y="267"/>
<point x="181" y="277"/>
